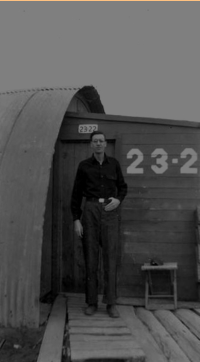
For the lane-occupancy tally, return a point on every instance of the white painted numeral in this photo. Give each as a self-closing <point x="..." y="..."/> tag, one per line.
<point x="133" y="167"/>
<point x="161" y="161"/>
<point x="87" y="128"/>
<point x="186" y="168"/>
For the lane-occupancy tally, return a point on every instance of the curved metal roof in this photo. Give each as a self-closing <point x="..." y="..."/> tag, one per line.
<point x="29" y="125"/>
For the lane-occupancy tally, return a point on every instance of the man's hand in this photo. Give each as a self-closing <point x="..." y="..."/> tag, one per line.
<point x="78" y="228"/>
<point x="112" y="205"/>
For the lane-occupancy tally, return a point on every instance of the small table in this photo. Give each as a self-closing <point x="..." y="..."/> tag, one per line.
<point x="172" y="268"/>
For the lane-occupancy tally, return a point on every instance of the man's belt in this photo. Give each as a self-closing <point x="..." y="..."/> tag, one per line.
<point x="100" y="200"/>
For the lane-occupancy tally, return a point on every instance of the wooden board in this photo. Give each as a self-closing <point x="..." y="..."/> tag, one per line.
<point x="158" y="237"/>
<point x="2" y="341"/>
<point x="197" y="310"/>
<point x="105" y="323"/>
<point x="165" y="266"/>
<point x="132" y="269"/>
<point x="158" y="215"/>
<point x="151" y="124"/>
<point x="139" y="302"/>
<point x="51" y="348"/>
<point x="181" y="334"/>
<point x="142" y="335"/>
<point x="166" y="343"/>
<point x="161" y="139"/>
<point x="135" y="289"/>
<point x="173" y="226"/>
<point x="94" y="338"/>
<point x="129" y="301"/>
<point x="190" y="319"/>
<point x="100" y="330"/>
<point x="169" y="181"/>
<point x="163" y="193"/>
<point x="175" y="249"/>
<point x="103" y="345"/>
<point x="158" y="204"/>
<point x="99" y="337"/>
<point x="100" y="355"/>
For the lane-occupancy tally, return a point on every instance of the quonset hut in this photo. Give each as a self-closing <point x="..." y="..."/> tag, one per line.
<point x="29" y="125"/>
<point x="44" y="134"/>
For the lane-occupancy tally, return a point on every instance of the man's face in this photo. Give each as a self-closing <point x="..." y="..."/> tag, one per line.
<point x="98" y="143"/>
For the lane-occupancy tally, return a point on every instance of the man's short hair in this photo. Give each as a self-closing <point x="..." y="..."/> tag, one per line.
<point x="95" y="133"/>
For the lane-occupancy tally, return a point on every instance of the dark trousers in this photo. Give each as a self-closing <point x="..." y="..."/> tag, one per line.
<point x="100" y="229"/>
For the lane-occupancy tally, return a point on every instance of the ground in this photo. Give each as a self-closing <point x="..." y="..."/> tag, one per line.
<point x="17" y="345"/>
<point x="23" y="344"/>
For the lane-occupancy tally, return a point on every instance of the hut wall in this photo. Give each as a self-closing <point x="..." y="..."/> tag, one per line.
<point x="159" y="159"/>
<point x="29" y="125"/>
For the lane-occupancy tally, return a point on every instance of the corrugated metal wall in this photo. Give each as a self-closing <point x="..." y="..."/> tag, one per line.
<point x="29" y="125"/>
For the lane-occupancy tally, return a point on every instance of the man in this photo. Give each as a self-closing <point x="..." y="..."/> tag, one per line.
<point x="99" y="179"/>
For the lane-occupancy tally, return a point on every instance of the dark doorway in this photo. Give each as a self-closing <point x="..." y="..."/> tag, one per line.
<point x="69" y="269"/>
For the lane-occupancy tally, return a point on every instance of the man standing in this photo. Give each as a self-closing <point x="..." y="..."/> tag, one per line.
<point x="99" y="179"/>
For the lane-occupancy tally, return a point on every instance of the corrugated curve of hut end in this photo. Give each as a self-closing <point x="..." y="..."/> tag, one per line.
<point x="29" y="126"/>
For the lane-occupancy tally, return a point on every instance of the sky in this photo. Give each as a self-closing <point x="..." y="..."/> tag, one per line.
<point x="142" y="57"/>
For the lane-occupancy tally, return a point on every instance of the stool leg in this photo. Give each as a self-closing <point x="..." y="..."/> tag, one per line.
<point x="150" y="282"/>
<point x="146" y="290"/>
<point x="175" y="290"/>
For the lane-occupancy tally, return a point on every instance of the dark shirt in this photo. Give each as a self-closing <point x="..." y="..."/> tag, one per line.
<point x="94" y="180"/>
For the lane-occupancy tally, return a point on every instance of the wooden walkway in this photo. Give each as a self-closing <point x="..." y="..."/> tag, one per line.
<point x="159" y="335"/>
<point x="99" y="337"/>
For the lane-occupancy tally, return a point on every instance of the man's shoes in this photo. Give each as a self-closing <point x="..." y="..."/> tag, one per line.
<point x="112" y="311"/>
<point x="91" y="309"/>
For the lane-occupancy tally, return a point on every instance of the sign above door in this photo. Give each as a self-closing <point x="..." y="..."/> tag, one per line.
<point x="87" y="128"/>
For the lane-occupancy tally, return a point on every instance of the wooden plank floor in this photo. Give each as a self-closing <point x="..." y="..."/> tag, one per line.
<point x="163" y="335"/>
<point x="157" y="335"/>
<point x="99" y="337"/>
<point x="52" y="343"/>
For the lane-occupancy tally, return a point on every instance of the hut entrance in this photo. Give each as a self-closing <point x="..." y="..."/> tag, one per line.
<point x="68" y="266"/>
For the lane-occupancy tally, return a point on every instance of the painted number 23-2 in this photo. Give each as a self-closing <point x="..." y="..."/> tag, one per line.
<point x="161" y="163"/>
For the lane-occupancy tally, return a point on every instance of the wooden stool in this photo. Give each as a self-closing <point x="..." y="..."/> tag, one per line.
<point x="172" y="268"/>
